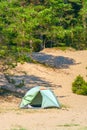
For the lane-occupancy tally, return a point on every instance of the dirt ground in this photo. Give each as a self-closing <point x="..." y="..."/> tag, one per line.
<point x="72" y="115"/>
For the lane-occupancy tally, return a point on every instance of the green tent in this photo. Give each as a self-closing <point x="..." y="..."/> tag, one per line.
<point x="41" y="97"/>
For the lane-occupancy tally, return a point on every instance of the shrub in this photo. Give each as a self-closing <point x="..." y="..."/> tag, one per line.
<point x="79" y="86"/>
<point x="37" y="45"/>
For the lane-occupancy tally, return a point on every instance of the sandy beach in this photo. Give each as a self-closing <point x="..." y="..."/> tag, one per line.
<point x="65" y="67"/>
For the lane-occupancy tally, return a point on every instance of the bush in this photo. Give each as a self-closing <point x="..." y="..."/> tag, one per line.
<point x="37" y="45"/>
<point x="79" y="86"/>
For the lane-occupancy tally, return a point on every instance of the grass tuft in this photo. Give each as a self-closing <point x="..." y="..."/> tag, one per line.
<point x="68" y="125"/>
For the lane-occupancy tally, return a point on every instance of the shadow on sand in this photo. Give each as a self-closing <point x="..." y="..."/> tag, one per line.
<point x="59" y="62"/>
<point x="30" y="81"/>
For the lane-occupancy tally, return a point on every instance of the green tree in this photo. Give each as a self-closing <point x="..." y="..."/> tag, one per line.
<point x="37" y="24"/>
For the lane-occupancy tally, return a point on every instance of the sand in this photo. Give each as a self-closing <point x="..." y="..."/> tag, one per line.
<point x="72" y="115"/>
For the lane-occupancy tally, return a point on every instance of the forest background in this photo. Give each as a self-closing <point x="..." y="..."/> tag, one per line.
<point x="32" y="25"/>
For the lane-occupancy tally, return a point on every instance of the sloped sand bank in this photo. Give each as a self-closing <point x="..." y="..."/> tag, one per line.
<point x="66" y="65"/>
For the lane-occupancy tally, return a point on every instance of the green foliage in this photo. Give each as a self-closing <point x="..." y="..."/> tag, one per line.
<point x="68" y="125"/>
<point x="10" y="55"/>
<point x="18" y="128"/>
<point x="37" y="45"/>
<point x="79" y="86"/>
<point x="63" y="48"/>
<point x="61" y="22"/>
